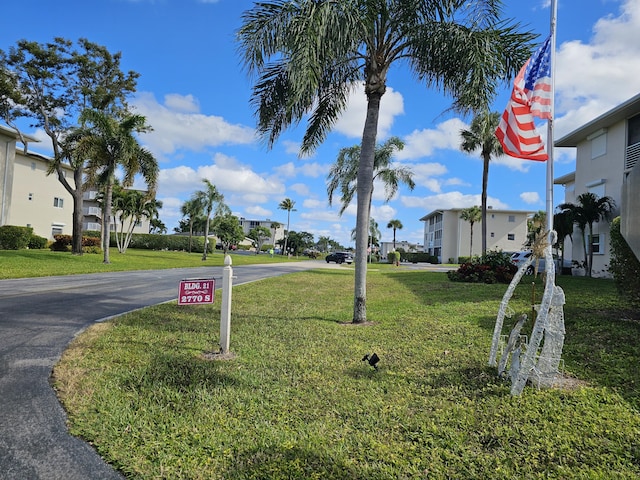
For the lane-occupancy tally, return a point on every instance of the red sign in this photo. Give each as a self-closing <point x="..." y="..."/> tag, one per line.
<point x="196" y="292"/>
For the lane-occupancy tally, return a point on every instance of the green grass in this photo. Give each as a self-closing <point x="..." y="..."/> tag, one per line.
<point x="297" y="402"/>
<point x="42" y="263"/>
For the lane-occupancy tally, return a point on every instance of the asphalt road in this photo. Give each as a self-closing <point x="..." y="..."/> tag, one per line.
<point x="38" y="319"/>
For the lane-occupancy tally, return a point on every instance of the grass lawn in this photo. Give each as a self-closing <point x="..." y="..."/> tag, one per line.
<point x="297" y="401"/>
<point x="42" y="263"/>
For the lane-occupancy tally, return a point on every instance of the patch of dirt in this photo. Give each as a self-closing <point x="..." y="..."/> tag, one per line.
<point x="218" y="356"/>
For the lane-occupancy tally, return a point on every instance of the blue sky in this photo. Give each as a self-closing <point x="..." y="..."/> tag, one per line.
<point x="195" y="95"/>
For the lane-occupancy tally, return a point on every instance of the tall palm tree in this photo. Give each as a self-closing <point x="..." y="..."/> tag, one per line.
<point x="308" y="56"/>
<point x="396" y="225"/>
<point x="109" y="143"/>
<point x="590" y="209"/>
<point x="287" y="204"/>
<point x="481" y="135"/>
<point x="191" y="209"/>
<point x="208" y="199"/>
<point x="471" y="215"/>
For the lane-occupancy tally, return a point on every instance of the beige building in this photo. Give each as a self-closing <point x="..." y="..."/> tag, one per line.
<point x="278" y="234"/>
<point x="29" y="197"/>
<point x="448" y="237"/>
<point x="608" y="149"/>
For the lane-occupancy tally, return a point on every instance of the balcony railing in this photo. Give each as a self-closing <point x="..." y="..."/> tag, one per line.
<point x="95" y="211"/>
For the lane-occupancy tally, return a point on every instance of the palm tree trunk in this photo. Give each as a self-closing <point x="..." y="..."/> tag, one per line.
<point x="485" y="181"/>
<point x="364" y="189"/>
<point x="106" y="221"/>
<point x="190" y="233"/>
<point x="206" y="237"/>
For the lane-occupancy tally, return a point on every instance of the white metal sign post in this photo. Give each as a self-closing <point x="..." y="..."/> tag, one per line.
<point x="225" y="310"/>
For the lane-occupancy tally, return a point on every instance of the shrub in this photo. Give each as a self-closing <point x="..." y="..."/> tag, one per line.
<point x="63" y="243"/>
<point x="393" y="257"/>
<point x="415" y="257"/>
<point x="624" y="265"/>
<point x="13" y="237"/>
<point x="493" y="267"/>
<point x="37" y="242"/>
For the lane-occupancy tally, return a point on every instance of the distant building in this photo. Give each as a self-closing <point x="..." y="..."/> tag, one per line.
<point x="448" y="237"/>
<point x="607" y="153"/>
<point x="386" y="247"/>
<point x="276" y="234"/>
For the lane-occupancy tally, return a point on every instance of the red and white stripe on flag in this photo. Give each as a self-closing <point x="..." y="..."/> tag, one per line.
<point x="531" y="96"/>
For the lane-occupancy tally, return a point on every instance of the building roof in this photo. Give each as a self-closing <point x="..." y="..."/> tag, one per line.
<point x="10" y="132"/>
<point x="489" y="209"/>
<point x="564" y="179"/>
<point x="623" y="111"/>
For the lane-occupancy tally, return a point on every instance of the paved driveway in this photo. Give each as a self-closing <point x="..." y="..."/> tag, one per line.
<point x="38" y="319"/>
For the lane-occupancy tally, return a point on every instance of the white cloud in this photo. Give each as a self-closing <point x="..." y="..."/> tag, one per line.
<point x="351" y="123"/>
<point x="530" y="198"/>
<point x="177" y="125"/>
<point x="423" y="143"/>
<point x="449" y="200"/>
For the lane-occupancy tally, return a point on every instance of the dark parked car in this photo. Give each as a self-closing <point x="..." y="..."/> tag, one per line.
<point x="339" y="257"/>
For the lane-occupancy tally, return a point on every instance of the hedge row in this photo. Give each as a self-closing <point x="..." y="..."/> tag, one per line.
<point x="152" y="241"/>
<point x="13" y="237"/>
<point x="624" y="266"/>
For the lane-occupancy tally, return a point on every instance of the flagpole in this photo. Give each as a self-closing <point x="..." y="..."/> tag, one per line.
<point x="550" y="207"/>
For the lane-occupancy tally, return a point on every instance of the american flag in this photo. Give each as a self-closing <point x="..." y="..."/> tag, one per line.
<point x="531" y="96"/>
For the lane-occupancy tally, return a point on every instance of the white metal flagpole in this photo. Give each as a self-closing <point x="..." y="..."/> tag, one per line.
<point x="550" y="207"/>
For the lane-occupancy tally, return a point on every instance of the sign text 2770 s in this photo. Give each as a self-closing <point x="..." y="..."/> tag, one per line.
<point x="196" y="292"/>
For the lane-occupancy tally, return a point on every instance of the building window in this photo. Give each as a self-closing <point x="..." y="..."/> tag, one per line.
<point x="511" y="236"/>
<point x="56" y="231"/>
<point x="596" y="243"/>
<point x="58" y="202"/>
<point x="31" y="196"/>
<point x="512" y="219"/>
<point x="598" y="146"/>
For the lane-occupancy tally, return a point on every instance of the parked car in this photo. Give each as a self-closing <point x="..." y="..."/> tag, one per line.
<point x="339" y="257"/>
<point x="518" y="258"/>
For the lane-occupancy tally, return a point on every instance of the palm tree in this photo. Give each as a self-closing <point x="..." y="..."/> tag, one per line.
<point x="344" y="172"/>
<point x="287" y="204"/>
<point x="208" y="199"/>
<point x="396" y="225"/>
<point x="471" y="215"/>
<point x="191" y="209"/>
<point x="590" y="209"/>
<point x="563" y="226"/>
<point x="274" y="226"/>
<point x="481" y="135"/>
<point x="109" y="142"/>
<point x="308" y="56"/>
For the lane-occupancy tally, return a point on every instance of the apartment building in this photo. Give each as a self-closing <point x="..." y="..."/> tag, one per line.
<point x="448" y="237"/>
<point x="607" y="153"/>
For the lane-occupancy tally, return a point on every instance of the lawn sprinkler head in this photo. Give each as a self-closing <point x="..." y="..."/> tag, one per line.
<point x="373" y="360"/>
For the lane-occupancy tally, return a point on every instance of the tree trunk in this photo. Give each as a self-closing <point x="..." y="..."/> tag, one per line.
<point x="206" y="237"/>
<point x="76" y="236"/>
<point x="485" y="182"/>
<point x="364" y="189"/>
<point x="106" y="221"/>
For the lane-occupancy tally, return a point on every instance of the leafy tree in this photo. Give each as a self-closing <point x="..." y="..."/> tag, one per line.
<point x="208" y="199"/>
<point x="109" y="143"/>
<point x="308" y="56"/>
<point x="299" y="241"/>
<point x="259" y="235"/>
<point x="343" y="174"/>
<point x="228" y="230"/>
<point x="535" y="226"/>
<point x="590" y="209"/>
<point x="471" y="215"/>
<point x="51" y="84"/>
<point x="323" y="243"/>
<point x="288" y="205"/>
<point x="396" y="225"/>
<point x="481" y="135"/>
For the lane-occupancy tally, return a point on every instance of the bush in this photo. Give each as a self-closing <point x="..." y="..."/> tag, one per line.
<point x="154" y="241"/>
<point x="415" y="257"/>
<point x="63" y="243"/>
<point x="624" y="266"/>
<point x="13" y="237"/>
<point x="37" y="242"/>
<point x="393" y="257"/>
<point x="493" y="267"/>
